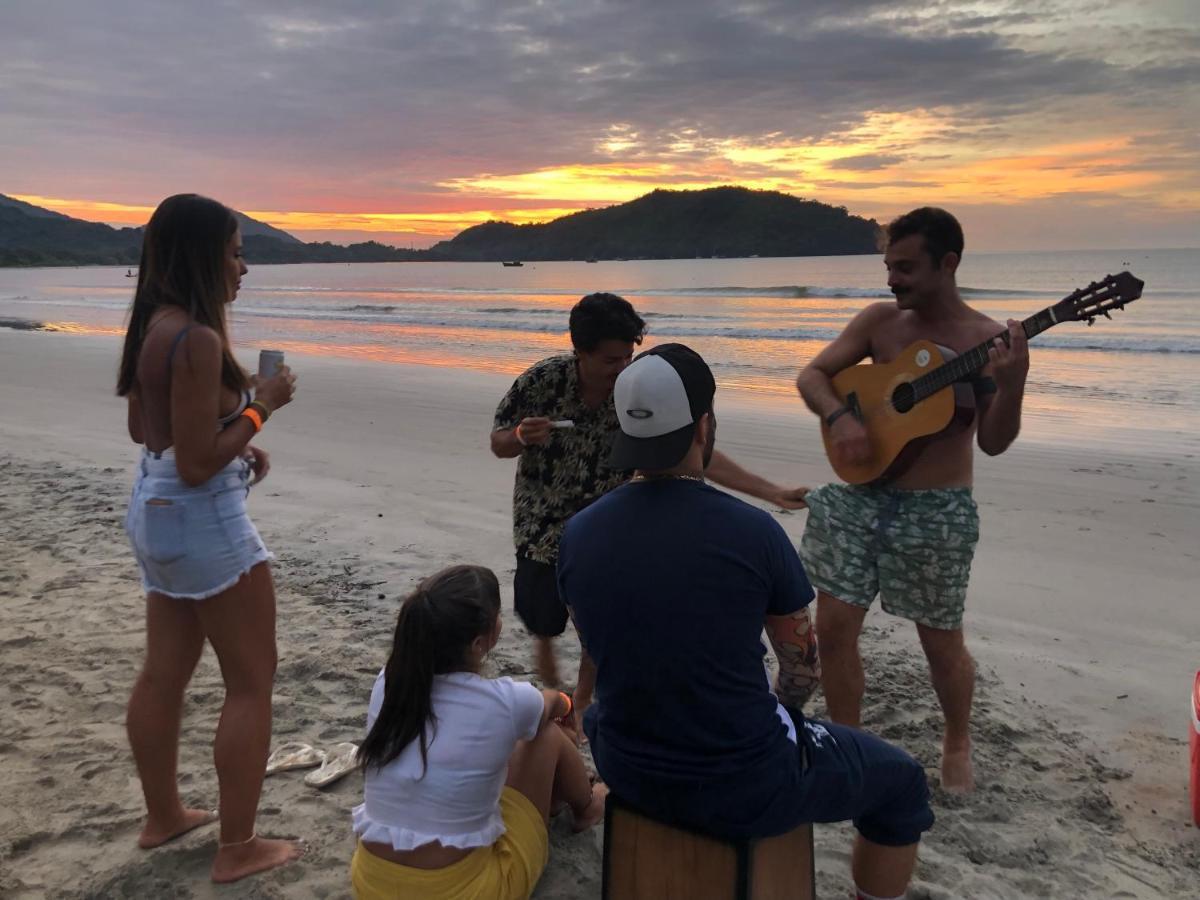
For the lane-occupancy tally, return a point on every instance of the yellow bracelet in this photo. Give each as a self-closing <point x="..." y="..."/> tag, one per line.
<point x="253" y="415"/>
<point x="570" y="705"/>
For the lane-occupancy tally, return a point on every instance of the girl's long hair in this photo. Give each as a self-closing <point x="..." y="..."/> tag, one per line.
<point x="437" y="623"/>
<point x="183" y="264"/>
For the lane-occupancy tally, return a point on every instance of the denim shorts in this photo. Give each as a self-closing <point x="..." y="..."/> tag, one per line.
<point x="191" y="543"/>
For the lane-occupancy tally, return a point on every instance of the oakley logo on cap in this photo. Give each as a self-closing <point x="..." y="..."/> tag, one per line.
<point x="638" y="413"/>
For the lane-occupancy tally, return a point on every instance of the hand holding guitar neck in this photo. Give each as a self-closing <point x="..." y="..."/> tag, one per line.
<point x="1009" y="357"/>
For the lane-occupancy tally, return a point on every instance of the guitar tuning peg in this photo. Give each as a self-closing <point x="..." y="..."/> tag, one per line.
<point x="1091" y="321"/>
<point x="1107" y="316"/>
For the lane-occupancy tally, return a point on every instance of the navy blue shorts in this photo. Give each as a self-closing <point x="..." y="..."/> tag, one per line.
<point x="851" y="774"/>
<point x="536" y="600"/>
<point x="833" y="774"/>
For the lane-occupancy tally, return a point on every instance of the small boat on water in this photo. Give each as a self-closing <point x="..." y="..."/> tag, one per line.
<point x="512" y="265"/>
<point x="592" y="259"/>
<point x="129" y="273"/>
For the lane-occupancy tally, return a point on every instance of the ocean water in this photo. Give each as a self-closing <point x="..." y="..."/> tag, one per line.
<point x="756" y="321"/>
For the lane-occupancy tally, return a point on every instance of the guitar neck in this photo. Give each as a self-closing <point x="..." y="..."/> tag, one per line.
<point x="976" y="358"/>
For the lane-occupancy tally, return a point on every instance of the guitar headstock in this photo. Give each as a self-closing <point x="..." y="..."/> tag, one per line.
<point x="1110" y="292"/>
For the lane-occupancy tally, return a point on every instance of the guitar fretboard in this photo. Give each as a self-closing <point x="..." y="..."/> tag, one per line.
<point x="976" y="358"/>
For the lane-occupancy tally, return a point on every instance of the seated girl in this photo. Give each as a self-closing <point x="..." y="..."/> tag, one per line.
<point x="461" y="771"/>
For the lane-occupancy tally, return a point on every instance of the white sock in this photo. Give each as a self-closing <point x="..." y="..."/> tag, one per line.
<point x="863" y="895"/>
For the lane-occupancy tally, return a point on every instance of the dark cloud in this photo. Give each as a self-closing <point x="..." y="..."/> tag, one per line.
<point x="361" y="99"/>
<point x="838" y="186"/>
<point x="866" y="161"/>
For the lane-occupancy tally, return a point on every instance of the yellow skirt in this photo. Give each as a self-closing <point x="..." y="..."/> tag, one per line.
<point x="507" y="870"/>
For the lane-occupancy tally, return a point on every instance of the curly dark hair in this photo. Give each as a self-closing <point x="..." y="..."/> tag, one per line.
<point x="941" y="231"/>
<point x="604" y="317"/>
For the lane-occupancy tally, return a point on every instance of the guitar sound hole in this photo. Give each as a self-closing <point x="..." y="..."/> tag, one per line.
<point x="903" y="398"/>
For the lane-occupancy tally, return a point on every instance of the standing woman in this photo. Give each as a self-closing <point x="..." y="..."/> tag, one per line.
<point x="462" y="771"/>
<point x="203" y="565"/>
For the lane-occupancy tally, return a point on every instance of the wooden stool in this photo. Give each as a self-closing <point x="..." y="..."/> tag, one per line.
<point x="648" y="860"/>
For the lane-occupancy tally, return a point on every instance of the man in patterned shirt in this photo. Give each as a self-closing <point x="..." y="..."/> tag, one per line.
<point x="558" y="417"/>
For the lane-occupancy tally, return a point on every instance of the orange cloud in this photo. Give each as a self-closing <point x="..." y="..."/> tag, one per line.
<point x="443" y="224"/>
<point x="888" y="161"/>
<point x="91" y="210"/>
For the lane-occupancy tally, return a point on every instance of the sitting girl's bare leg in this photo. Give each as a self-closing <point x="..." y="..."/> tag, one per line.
<point x="550" y="767"/>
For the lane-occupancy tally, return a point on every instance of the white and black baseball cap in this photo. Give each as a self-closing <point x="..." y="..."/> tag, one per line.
<point x="659" y="398"/>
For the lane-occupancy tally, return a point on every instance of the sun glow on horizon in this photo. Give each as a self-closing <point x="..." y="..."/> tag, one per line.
<point x="443" y="224"/>
<point x="886" y="162"/>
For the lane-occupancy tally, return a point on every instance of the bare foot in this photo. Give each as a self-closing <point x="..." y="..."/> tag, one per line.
<point x="155" y="834"/>
<point x="593" y="813"/>
<point x="958" y="773"/>
<point x="236" y="861"/>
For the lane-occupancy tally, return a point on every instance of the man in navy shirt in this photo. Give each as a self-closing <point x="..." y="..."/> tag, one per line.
<point x="670" y="583"/>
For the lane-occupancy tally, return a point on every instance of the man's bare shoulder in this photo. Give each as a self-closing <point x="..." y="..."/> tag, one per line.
<point x="878" y="315"/>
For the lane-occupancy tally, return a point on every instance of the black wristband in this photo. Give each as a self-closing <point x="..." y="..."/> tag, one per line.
<point x="835" y="415"/>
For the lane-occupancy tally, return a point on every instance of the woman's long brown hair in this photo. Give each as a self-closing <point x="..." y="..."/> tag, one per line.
<point x="183" y="265"/>
<point x="435" y="628"/>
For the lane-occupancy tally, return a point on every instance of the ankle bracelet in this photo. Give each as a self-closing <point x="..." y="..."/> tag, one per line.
<point x="222" y="845"/>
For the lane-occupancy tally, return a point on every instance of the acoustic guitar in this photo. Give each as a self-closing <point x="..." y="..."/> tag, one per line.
<point x="912" y="397"/>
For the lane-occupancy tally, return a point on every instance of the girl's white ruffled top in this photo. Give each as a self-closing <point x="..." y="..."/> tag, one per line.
<point x="456" y="800"/>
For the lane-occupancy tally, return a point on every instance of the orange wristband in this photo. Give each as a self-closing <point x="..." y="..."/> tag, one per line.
<point x="255" y="417"/>
<point x="570" y="705"/>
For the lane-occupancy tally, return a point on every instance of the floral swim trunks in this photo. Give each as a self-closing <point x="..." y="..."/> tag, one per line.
<point x="912" y="548"/>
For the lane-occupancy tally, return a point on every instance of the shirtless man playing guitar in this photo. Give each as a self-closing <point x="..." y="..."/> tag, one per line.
<point x="910" y="537"/>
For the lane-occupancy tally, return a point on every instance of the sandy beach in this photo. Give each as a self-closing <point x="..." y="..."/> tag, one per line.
<point x="1081" y="614"/>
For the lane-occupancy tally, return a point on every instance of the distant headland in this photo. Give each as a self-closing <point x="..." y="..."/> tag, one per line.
<point x="664" y="224"/>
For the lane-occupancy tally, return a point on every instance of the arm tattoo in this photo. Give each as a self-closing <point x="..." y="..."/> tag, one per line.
<point x="795" y="647"/>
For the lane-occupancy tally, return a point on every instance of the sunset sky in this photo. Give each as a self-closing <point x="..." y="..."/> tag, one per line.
<point x="1041" y="124"/>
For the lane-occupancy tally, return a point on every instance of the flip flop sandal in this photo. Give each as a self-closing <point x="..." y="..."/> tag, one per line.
<point x="294" y="755"/>
<point x="339" y="762"/>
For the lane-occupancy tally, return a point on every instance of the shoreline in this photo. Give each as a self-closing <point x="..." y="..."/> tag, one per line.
<point x="1049" y="422"/>
<point x="1080" y="594"/>
<point x="1040" y="250"/>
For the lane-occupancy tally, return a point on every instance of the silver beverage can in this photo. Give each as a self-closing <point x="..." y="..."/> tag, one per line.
<point x="269" y="362"/>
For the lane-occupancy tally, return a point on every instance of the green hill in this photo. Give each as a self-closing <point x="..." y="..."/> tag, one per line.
<point x="724" y="221"/>
<point x="32" y="236"/>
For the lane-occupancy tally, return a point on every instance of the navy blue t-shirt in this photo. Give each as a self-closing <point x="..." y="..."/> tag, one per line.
<point x="669" y="582"/>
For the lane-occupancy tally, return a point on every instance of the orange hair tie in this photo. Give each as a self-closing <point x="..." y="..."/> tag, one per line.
<point x="570" y="705"/>
<point x="255" y="417"/>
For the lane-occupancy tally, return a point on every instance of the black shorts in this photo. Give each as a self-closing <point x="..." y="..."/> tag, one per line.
<point x="535" y="597"/>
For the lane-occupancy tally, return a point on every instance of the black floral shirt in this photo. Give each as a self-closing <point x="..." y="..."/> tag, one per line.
<point x="557" y="480"/>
